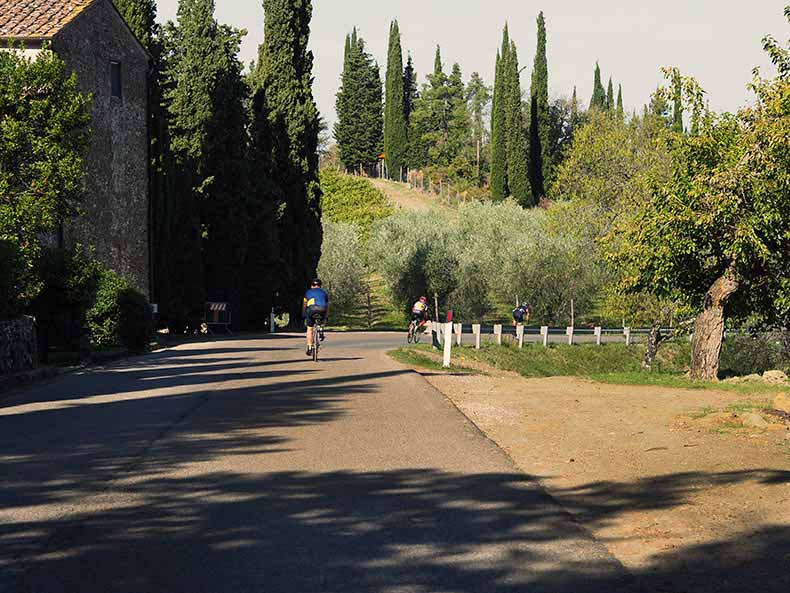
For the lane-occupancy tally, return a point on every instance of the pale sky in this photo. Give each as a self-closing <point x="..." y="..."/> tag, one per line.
<point x="717" y="41"/>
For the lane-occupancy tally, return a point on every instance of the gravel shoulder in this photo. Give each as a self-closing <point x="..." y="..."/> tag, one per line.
<point x="669" y="479"/>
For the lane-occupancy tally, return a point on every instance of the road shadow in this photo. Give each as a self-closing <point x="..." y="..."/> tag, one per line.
<point x="407" y="530"/>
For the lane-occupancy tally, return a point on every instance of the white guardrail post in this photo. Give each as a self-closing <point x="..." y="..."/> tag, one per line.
<point x="598" y="336"/>
<point x="498" y="334"/>
<point x="476" y="332"/>
<point x="520" y="335"/>
<point x="448" y="344"/>
<point x="627" y="333"/>
<point x="459" y="332"/>
<point x="544" y="331"/>
<point x="569" y="333"/>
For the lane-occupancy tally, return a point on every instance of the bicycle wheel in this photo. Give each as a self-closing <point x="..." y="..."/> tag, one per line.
<point x="417" y="333"/>
<point x="316" y="342"/>
<point x="410" y="336"/>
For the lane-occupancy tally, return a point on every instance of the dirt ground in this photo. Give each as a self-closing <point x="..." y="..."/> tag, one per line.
<point x="406" y="198"/>
<point x="655" y="473"/>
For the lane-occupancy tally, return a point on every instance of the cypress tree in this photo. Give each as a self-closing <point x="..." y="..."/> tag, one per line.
<point x="459" y="128"/>
<point x="479" y="96"/>
<point x="359" y="128"/>
<point x="515" y="141"/>
<point x="140" y="15"/>
<point x="395" y="128"/>
<point x="620" y="110"/>
<point x="499" y="189"/>
<point x="598" y="100"/>
<point x="190" y="47"/>
<point x="574" y="108"/>
<point x="539" y="122"/>
<point x="409" y="89"/>
<point x="610" y="96"/>
<point x="435" y="119"/>
<point x="286" y="135"/>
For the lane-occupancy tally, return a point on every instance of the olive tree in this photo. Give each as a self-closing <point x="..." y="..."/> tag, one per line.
<point x="718" y="232"/>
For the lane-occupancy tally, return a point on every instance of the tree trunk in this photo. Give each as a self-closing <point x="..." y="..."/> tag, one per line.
<point x="709" y="328"/>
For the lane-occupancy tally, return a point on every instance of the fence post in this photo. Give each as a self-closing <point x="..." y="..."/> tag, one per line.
<point x="272" y="322"/>
<point x="544" y="331"/>
<point x="627" y="333"/>
<point x="520" y="335"/>
<point x="569" y="333"/>
<point x="459" y="331"/>
<point x="448" y="344"/>
<point x="598" y="336"/>
<point x="498" y="334"/>
<point x="476" y="332"/>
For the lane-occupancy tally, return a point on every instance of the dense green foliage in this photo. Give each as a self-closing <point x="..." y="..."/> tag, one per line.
<point x="359" y="127"/>
<point x="351" y="200"/>
<point x="509" y="162"/>
<point x="598" y="100"/>
<point x="285" y="132"/>
<point x="480" y="260"/>
<point x="233" y="161"/>
<point x="539" y="121"/>
<point x="43" y="135"/>
<point x="396" y="140"/>
<point x="498" y="153"/>
<point x="140" y="15"/>
<point x="342" y="267"/>
<point x="119" y="315"/>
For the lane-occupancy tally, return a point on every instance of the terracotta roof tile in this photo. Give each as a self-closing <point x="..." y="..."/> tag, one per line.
<point x="37" y="19"/>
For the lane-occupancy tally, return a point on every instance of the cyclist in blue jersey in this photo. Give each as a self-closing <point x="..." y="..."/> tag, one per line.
<point x="316" y="304"/>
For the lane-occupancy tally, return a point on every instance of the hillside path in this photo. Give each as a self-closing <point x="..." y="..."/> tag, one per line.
<point x="240" y="465"/>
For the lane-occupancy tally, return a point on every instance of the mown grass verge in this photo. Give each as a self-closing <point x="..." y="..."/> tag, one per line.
<point x="414" y="357"/>
<point x="610" y="363"/>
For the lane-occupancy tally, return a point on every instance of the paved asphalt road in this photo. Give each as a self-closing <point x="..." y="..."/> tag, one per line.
<point x="241" y="466"/>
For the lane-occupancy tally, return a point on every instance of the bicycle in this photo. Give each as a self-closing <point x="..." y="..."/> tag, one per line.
<point x="415" y="331"/>
<point x="318" y="334"/>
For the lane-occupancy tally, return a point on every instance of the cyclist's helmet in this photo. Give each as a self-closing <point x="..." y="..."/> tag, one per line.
<point x="423" y="300"/>
<point x="524" y="305"/>
<point x="316" y="282"/>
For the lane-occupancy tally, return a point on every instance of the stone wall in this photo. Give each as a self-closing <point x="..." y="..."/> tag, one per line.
<point x="18" y="348"/>
<point x="115" y="207"/>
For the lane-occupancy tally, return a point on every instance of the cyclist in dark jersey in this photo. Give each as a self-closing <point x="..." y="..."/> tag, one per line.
<point x="316" y="303"/>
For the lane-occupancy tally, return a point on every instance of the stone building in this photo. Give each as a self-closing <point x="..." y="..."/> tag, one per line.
<point x="91" y="37"/>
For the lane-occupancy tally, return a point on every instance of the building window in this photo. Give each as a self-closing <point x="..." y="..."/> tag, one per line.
<point x="115" y="75"/>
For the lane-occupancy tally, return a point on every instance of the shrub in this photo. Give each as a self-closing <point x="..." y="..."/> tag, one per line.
<point x="135" y="322"/>
<point x="12" y="268"/>
<point x="69" y="278"/>
<point x="342" y="267"/>
<point x="120" y="315"/>
<point x="105" y="314"/>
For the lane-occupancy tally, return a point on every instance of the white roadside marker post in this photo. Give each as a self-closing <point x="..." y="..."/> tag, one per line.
<point x="476" y="332"/>
<point x="459" y="332"/>
<point x="569" y="333"/>
<point x="544" y="331"/>
<point x="448" y="344"/>
<point x="627" y="333"/>
<point x="498" y="334"/>
<point x="520" y="335"/>
<point x="597" y="336"/>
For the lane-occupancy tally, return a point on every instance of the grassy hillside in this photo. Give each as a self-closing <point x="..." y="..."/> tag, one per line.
<point x="352" y="200"/>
